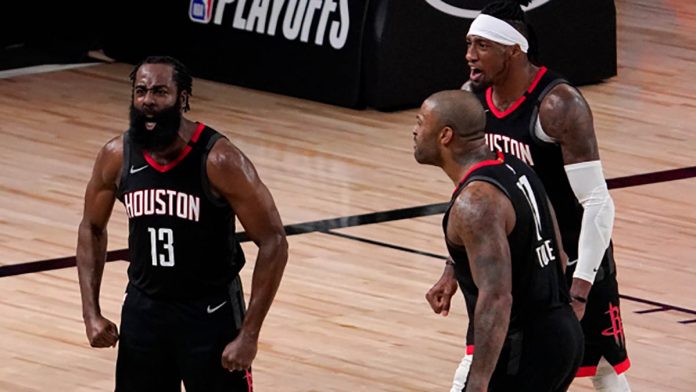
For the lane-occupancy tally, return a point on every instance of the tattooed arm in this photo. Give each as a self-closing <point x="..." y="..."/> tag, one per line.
<point x="480" y="220"/>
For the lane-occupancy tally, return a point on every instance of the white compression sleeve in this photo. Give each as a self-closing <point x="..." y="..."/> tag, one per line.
<point x="587" y="181"/>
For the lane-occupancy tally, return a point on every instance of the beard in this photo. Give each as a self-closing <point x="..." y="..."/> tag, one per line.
<point x="164" y="133"/>
<point x="478" y="87"/>
<point x="426" y="156"/>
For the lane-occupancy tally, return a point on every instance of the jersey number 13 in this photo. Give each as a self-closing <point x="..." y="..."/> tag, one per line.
<point x="163" y="239"/>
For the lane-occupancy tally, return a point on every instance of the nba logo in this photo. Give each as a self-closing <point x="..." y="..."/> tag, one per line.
<point x="200" y="11"/>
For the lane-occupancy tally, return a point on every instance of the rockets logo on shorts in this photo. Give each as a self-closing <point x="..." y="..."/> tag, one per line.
<point x="616" y="329"/>
<point x="201" y="11"/>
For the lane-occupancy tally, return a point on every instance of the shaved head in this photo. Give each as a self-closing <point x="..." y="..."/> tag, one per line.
<point x="459" y="110"/>
<point x="449" y="133"/>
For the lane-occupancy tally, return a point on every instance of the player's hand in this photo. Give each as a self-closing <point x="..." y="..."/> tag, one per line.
<point x="579" y="292"/>
<point x="440" y="295"/>
<point x="239" y="353"/>
<point x="578" y="308"/>
<point x="101" y="332"/>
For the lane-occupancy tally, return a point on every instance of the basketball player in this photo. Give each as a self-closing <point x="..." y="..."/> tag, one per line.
<point x="505" y="252"/>
<point x="536" y="115"/>
<point x="182" y="184"/>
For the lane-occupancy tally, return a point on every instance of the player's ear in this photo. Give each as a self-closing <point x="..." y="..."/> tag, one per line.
<point x="446" y="135"/>
<point x="515" y="51"/>
<point x="183" y="100"/>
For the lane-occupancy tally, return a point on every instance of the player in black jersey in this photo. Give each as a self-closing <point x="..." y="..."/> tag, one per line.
<point x="537" y="116"/>
<point x="505" y="253"/>
<point x="182" y="184"/>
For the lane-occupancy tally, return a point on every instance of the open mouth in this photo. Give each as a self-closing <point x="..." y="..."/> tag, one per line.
<point x="475" y="75"/>
<point x="150" y="125"/>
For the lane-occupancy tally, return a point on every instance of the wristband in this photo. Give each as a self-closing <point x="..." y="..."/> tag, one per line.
<point x="580" y="299"/>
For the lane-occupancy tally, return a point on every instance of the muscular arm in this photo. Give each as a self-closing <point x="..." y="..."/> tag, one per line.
<point x="92" y="236"/>
<point x="566" y="117"/>
<point x="481" y="219"/>
<point x="234" y="177"/>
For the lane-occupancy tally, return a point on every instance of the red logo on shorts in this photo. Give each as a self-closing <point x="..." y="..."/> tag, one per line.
<point x="616" y="329"/>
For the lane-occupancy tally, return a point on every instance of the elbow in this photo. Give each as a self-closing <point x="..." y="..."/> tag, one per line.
<point x="282" y="244"/>
<point x="504" y="300"/>
<point x="84" y="226"/>
<point x="277" y="244"/>
<point x="91" y="225"/>
<point x="603" y="220"/>
<point x="501" y="300"/>
<point x="610" y="211"/>
<point x="493" y="309"/>
<point x="88" y="229"/>
<point x="503" y="303"/>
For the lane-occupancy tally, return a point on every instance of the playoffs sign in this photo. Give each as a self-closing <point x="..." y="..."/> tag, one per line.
<point x="309" y="21"/>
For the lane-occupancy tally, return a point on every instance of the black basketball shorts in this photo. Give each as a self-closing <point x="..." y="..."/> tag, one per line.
<point x="165" y="342"/>
<point x="543" y="357"/>
<point x="603" y="329"/>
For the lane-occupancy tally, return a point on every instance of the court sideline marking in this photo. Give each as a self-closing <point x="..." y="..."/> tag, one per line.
<point x="325" y="225"/>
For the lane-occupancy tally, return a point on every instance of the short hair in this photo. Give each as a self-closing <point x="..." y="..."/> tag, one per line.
<point x="511" y="12"/>
<point x="461" y="111"/>
<point x="182" y="77"/>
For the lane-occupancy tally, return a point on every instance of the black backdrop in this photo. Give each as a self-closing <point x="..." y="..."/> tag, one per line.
<point x="414" y="49"/>
<point x="225" y="53"/>
<point x="386" y="54"/>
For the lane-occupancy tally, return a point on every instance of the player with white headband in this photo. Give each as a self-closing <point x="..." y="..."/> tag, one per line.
<point x="538" y="116"/>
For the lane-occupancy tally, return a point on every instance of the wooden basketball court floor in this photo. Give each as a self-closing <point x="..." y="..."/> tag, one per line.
<point x="350" y="314"/>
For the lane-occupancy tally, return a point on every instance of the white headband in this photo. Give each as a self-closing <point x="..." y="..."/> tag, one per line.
<point x="497" y="30"/>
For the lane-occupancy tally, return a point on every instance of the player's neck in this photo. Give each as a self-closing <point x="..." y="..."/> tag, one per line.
<point x="466" y="159"/>
<point x="508" y="90"/>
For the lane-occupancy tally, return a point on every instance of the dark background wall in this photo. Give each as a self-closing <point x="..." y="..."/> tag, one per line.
<point x="416" y="49"/>
<point x="48" y="32"/>
<point x="304" y="51"/>
<point x="386" y="54"/>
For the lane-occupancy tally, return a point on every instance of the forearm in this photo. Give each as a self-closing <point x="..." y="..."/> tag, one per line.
<point x="588" y="184"/>
<point x="491" y="323"/>
<point x="595" y="234"/>
<point x="91" y="256"/>
<point x="268" y="272"/>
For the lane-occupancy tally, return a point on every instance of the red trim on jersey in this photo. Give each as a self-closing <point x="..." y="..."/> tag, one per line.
<point x="516" y="104"/>
<point x="537" y="78"/>
<point x="470" y="349"/>
<point x="197" y="133"/>
<point x="479" y="165"/>
<point x="184" y="153"/>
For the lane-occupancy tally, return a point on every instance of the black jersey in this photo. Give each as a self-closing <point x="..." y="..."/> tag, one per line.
<point x="538" y="284"/>
<point x="181" y="237"/>
<point x="512" y="131"/>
